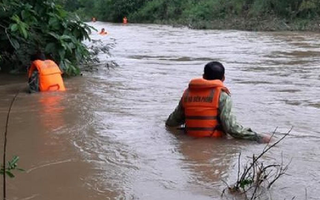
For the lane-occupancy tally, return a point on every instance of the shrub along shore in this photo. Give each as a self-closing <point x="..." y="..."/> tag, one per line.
<point x="271" y="24"/>
<point x="252" y="15"/>
<point x="53" y="26"/>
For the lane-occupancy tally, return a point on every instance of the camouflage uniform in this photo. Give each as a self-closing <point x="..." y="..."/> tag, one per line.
<point x="227" y="120"/>
<point x="34" y="82"/>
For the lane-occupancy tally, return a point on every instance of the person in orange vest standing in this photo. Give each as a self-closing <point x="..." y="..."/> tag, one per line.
<point x="44" y="75"/>
<point x="125" y="20"/>
<point x="205" y="109"/>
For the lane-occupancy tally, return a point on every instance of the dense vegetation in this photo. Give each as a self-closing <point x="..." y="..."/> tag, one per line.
<point x="242" y="14"/>
<point x="27" y="27"/>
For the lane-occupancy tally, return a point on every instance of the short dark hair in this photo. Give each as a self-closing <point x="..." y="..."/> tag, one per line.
<point x="37" y="56"/>
<point x="213" y="70"/>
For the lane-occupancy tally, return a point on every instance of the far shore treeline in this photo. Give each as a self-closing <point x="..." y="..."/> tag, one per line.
<point x="265" y="15"/>
<point x="56" y="27"/>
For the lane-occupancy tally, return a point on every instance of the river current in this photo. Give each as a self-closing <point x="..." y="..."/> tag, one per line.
<point x="105" y="137"/>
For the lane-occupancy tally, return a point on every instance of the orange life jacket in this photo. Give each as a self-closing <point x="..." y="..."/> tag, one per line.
<point x="201" y="106"/>
<point x="103" y="33"/>
<point x="49" y="75"/>
<point x="125" y="20"/>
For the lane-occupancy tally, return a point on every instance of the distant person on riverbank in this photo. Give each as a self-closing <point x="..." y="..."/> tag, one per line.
<point x="44" y="75"/>
<point x="205" y="109"/>
<point x="125" y="20"/>
<point x="103" y="32"/>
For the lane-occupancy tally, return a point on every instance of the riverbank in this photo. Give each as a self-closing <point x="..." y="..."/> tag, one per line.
<point x="252" y="24"/>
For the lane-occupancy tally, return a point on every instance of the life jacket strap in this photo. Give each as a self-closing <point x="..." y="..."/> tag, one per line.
<point x="202" y="117"/>
<point x="55" y="85"/>
<point x="200" y="128"/>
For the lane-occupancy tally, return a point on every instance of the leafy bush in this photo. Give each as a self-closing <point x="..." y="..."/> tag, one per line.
<point x="190" y="11"/>
<point x="28" y="27"/>
<point x="203" y="10"/>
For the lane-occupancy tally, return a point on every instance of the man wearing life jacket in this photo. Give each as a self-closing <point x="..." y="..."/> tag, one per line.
<point x="205" y="108"/>
<point x="44" y="75"/>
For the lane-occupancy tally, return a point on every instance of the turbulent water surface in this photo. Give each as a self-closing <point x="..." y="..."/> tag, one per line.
<point x="105" y="137"/>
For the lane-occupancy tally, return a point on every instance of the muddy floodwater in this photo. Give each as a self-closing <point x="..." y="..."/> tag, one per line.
<point x="105" y="137"/>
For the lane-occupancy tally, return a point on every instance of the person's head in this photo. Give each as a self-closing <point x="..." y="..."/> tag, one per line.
<point x="213" y="70"/>
<point x="49" y="56"/>
<point x="37" y="56"/>
<point x="102" y="30"/>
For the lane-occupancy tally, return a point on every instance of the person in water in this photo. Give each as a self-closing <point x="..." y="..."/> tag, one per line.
<point x="125" y="20"/>
<point x="205" y="109"/>
<point x="44" y="75"/>
<point x="103" y="32"/>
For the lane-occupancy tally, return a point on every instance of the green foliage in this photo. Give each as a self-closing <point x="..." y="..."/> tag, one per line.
<point x="11" y="166"/>
<point x="245" y="183"/>
<point x="309" y="8"/>
<point x="115" y="10"/>
<point x="103" y="10"/>
<point x="27" y="27"/>
<point x="203" y="10"/>
<point x="196" y="11"/>
<point x="152" y="11"/>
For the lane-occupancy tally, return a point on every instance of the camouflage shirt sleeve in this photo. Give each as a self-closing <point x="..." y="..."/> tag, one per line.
<point x="177" y="117"/>
<point x="229" y="122"/>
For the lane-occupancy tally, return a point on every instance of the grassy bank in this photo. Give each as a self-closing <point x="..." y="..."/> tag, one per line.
<point x="260" y="15"/>
<point x="252" y="24"/>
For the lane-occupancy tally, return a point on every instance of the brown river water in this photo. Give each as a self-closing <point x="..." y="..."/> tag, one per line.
<point x="105" y="137"/>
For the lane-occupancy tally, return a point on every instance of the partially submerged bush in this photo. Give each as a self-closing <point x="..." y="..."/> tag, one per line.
<point x="27" y="27"/>
<point x="257" y="177"/>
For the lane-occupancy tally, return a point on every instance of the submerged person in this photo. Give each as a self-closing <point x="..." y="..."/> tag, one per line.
<point x="44" y="75"/>
<point x="205" y="109"/>
<point x="103" y="32"/>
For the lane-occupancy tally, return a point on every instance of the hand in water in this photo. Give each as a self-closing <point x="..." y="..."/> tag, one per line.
<point x="264" y="138"/>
